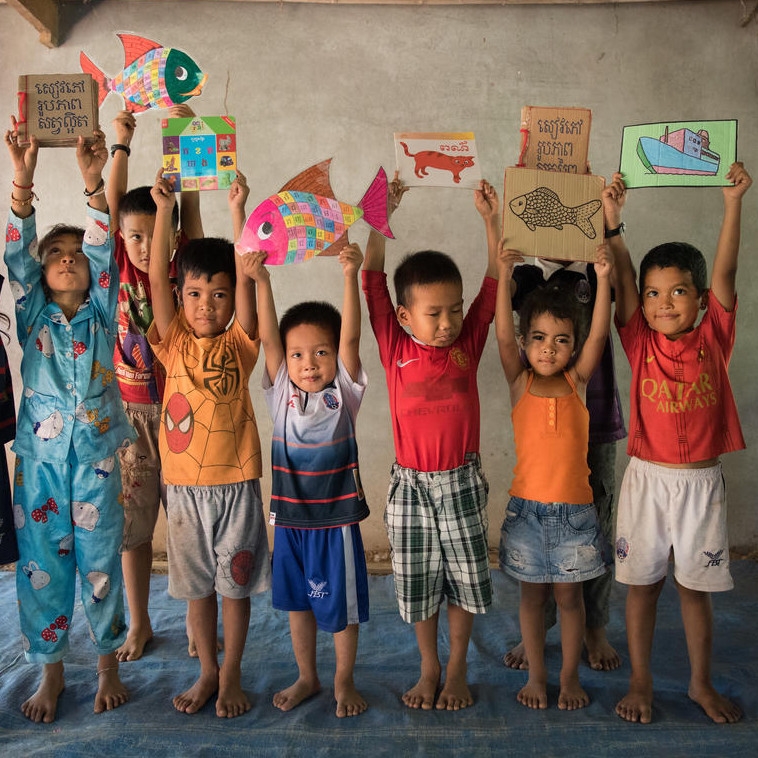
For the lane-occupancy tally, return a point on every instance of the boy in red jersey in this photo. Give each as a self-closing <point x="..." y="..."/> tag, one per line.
<point x="436" y="511"/>
<point x="682" y="418"/>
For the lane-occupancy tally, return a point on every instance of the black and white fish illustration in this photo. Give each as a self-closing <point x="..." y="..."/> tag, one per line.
<point x="542" y="207"/>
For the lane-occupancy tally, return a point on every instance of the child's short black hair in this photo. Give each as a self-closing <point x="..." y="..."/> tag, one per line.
<point x="206" y="257"/>
<point x="558" y="302"/>
<point x="679" y="255"/>
<point x="139" y="201"/>
<point x="424" y="267"/>
<point x="313" y="313"/>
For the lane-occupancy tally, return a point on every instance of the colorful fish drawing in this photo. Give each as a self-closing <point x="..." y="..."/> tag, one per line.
<point x="304" y="219"/>
<point x="153" y="76"/>
<point x="542" y="207"/>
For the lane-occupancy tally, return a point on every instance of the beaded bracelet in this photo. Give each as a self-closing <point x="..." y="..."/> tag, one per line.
<point x="29" y="200"/>
<point x="22" y="186"/>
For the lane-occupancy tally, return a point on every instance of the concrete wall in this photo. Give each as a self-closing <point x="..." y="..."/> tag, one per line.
<point x="309" y="82"/>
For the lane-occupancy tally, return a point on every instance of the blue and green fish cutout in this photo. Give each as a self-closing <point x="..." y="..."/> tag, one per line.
<point x="304" y="219"/>
<point x="153" y="76"/>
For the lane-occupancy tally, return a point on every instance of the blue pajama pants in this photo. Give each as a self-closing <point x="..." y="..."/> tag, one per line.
<point x="68" y="516"/>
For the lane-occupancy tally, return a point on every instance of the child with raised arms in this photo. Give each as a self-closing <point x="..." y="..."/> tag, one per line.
<point x="71" y="423"/>
<point x="551" y="539"/>
<point x="683" y="417"/>
<point x="314" y="384"/>
<point x="209" y="445"/>
<point x="436" y="513"/>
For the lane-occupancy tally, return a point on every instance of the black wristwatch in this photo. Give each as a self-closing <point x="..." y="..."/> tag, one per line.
<point x="615" y="232"/>
<point x="126" y="149"/>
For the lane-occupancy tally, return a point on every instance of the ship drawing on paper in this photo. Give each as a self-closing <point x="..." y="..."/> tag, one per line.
<point x="679" y="152"/>
<point x="543" y="207"/>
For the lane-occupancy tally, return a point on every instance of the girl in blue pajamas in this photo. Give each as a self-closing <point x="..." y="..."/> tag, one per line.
<point x="67" y="486"/>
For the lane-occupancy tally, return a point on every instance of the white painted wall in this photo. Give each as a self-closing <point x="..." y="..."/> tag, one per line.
<point x="309" y="82"/>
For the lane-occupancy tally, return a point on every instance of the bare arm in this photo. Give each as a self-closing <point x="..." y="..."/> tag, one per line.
<point x="374" y="258"/>
<point x="24" y="162"/>
<point x="505" y="328"/>
<point x="245" y="309"/>
<point x="487" y="203"/>
<point x="118" y="177"/>
<point x="350" y="336"/>
<point x="592" y="350"/>
<point x="238" y="194"/>
<point x="623" y="276"/>
<point x="92" y="159"/>
<point x="724" y="272"/>
<point x="268" y="325"/>
<point x="160" y="252"/>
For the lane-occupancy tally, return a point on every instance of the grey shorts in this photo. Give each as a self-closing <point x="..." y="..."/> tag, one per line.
<point x="217" y="541"/>
<point x="437" y="528"/>
<point x="141" y="477"/>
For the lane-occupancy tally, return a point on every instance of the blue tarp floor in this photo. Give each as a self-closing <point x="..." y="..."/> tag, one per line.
<point x="387" y="665"/>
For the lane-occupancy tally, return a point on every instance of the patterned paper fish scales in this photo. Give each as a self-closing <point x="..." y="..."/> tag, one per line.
<point x="295" y="225"/>
<point x="153" y="76"/>
<point x="543" y="207"/>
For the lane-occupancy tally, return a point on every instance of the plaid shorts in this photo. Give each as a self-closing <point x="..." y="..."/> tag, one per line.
<point x="437" y="528"/>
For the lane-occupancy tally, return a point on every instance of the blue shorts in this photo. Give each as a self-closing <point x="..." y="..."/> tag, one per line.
<point x="545" y="543"/>
<point x="323" y="571"/>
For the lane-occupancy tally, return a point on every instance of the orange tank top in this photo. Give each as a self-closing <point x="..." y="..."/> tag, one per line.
<point x="551" y="436"/>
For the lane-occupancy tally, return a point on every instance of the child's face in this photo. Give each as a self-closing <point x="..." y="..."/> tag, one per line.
<point x="311" y="357"/>
<point x="434" y="314"/>
<point x="137" y="231"/>
<point x="670" y="301"/>
<point x="66" y="267"/>
<point x="208" y="304"/>
<point x="549" y="344"/>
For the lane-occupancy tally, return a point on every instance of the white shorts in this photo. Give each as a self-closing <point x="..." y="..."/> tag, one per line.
<point x="661" y="510"/>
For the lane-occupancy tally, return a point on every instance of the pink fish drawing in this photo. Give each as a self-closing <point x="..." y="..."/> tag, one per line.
<point x="304" y="219"/>
<point x="153" y="76"/>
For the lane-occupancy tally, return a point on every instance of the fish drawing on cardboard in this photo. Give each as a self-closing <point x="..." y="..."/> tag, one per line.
<point x="153" y="76"/>
<point x="304" y="219"/>
<point x="551" y="214"/>
<point x="543" y="207"/>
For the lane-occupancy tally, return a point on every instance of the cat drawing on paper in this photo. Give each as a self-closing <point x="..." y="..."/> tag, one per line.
<point x="425" y="159"/>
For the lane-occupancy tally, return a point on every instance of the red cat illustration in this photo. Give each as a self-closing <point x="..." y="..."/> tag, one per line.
<point x="432" y="159"/>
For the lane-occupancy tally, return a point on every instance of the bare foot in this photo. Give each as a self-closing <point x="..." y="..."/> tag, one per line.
<point x="350" y="702"/>
<point x="533" y="694"/>
<point x="232" y="701"/>
<point x="111" y="692"/>
<point x="193" y="699"/>
<point x="515" y="658"/>
<point x="455" y="695"/>
<point x="715" y="705"/>
<point x="637" y="704"/>
<point x="42" y="705"/>
<point x="422" y="694"/>
<point x="134" y="646"/>
<point x="572" y="696"/>
<point x="602" y="656"/>
<point x="302" y="689"/>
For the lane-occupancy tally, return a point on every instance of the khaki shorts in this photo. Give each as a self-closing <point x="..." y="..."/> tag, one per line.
<point x="681" y="511"/>
<point x="141" y="478"/>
